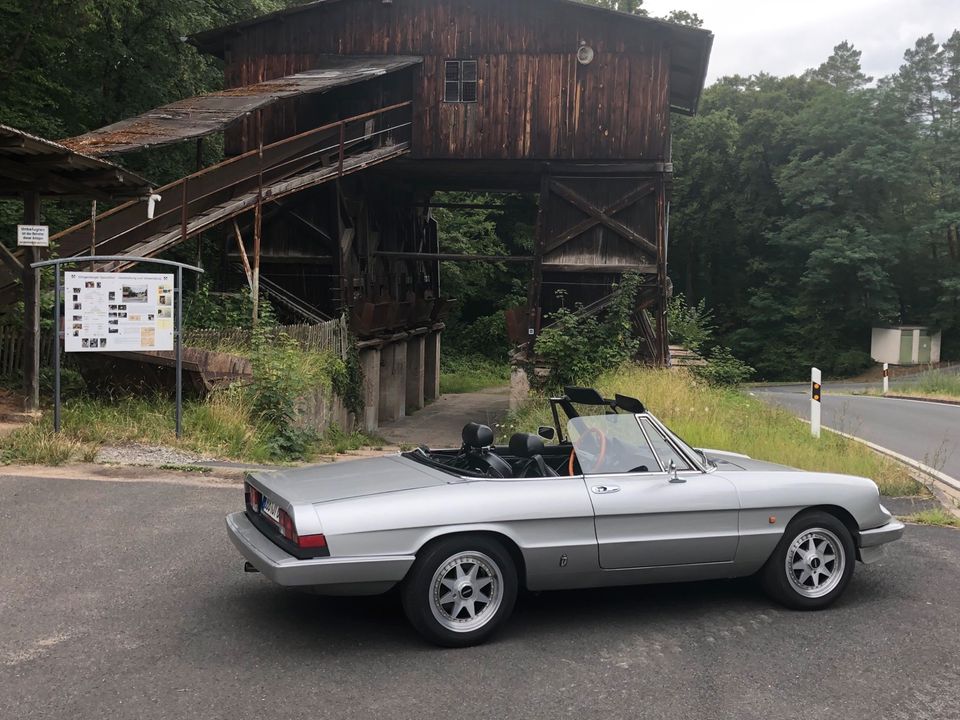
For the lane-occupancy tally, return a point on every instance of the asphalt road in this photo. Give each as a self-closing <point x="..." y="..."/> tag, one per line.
<point x="128" y="601"/>
<point x="926" y="432"/>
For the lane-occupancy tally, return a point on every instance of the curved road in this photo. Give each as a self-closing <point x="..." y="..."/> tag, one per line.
<point x="924" y="431"/>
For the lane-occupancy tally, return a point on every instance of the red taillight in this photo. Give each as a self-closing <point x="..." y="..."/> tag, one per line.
<point x="313" y="541"/>
<point x="287" y="528"/>
<point x="253" y="497"/>
<point x="289" y="531"/>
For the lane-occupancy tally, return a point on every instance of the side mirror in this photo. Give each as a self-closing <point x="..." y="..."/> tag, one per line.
<point x="546" y="432"/>
<point x="674" y="477"/>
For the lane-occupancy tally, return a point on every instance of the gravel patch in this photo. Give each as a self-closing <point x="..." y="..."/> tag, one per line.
<point x="138" y="454"/>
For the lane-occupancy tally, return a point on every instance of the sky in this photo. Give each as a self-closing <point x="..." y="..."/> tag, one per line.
<point x="785" y="37"/>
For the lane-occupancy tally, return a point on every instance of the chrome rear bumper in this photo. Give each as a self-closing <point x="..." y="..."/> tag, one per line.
<point x="284" y="569"/>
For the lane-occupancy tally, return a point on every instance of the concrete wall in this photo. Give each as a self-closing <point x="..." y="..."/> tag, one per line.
<point x="319" y="409"/>
<point x="415" y="367"/>
<point x="431" y="366"/>
<point x="393" y="381"/>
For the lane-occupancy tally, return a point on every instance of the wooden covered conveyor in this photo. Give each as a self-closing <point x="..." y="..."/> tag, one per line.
<point x="221" y="192"/>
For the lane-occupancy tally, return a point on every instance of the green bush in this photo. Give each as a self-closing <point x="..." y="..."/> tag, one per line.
<point x="723" y="369"/>
<point x="851" y="362"/>
<point x="689" y="325"/>
<point x="579" y="346"/>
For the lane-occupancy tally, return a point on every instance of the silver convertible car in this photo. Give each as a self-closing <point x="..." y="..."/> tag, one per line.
<point x="609" y="496"/>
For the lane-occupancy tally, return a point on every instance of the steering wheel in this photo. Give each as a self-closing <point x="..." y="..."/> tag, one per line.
<point x="601" y="441"/>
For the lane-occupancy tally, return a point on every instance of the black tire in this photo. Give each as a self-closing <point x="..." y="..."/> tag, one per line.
<point x="433" y="577"/>
<point x="809" y="588"/>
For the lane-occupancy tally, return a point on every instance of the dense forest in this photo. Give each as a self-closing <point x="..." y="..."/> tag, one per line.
<point x="805" y="209"/>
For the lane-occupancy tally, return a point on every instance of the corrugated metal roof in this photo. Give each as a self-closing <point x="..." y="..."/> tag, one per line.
<point x="33" y="164"/>
<point x="689" y="58"/>
<point x="206" y="114"/>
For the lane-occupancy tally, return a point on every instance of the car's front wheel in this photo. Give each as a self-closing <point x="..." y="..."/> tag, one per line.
<point x="460" y="590"/>
<point x="812" y="564"/>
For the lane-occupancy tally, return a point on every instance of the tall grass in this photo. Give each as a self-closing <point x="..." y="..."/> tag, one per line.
<point x="722" y="419"/>
<point x="939" y="383"/>
<point x="471" y="373"/>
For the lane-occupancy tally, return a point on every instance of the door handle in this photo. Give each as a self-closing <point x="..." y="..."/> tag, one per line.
<point x="605" y="489"/>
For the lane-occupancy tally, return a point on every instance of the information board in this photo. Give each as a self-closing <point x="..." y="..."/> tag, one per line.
<point x="117" y="312"/>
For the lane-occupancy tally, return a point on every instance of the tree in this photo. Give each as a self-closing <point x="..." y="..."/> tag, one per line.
<point x="842" y="69"/>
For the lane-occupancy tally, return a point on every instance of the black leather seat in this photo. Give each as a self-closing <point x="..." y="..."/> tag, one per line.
<point x="529" y="449"/>
<point x="476" y="454"/>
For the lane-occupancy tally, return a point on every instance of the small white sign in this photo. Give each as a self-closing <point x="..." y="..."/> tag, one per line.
<point x="33" y="236"/>
<point x="114" y="312"/>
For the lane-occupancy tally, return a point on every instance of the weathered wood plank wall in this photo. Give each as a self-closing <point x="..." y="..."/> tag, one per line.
<point x="535" y="100"/>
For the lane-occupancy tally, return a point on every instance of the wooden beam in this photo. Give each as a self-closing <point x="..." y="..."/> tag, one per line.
<point x="612" y="269"/>
<point x="457" y="257"/>
<point x="31" y="312"/>
<point x="603" y="215"/>
<point x="10" y="260"/>
<point x="243" y="255"/>
<point x="43" y="181"/>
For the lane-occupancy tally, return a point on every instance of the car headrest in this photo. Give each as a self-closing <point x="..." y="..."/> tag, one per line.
<point x="526" y="445"/>
<point x="476" y="435"/>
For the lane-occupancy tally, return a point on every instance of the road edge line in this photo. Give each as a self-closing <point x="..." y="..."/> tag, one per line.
<point x="949" y="497"/>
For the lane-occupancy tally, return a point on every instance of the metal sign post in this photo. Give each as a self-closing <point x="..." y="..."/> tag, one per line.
<point x="815" y="391"/>
<point x="886" y="378"/>
<point x="177" y="328"/>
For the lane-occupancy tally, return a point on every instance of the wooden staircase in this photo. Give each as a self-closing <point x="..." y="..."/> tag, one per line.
<point x="205" y="199"/>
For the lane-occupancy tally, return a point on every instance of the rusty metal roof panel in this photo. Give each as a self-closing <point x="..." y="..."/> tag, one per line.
<point x="33" y="164"/>
<point x="203" y="115"/>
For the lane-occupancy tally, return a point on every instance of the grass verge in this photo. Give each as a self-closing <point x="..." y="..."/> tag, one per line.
<point x="726" y="419"/>
<point x="936" y="516"/>
<point x="220" y="426"/>
<point x="472" y="373"/>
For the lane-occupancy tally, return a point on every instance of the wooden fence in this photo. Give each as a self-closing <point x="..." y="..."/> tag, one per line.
<point x="333" y="335"/>
<point x="11" y="349"/>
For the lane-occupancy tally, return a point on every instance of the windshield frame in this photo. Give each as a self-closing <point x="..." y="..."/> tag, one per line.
<point x="685" y="451"/>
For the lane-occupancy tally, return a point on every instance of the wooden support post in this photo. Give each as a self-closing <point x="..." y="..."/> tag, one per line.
<point x="243" y="255"/>
<point x="31" y="311"/>
<point x="257" y="224"/>
<point x="663" y="341"/>
<point x="535" y="301"/>
<point x="93" y="234"/>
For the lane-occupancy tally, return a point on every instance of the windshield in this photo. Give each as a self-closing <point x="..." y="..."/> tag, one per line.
<point x="611" y="444"/>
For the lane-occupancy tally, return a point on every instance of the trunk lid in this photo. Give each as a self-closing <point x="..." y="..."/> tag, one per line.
<point x="347" y="479"/>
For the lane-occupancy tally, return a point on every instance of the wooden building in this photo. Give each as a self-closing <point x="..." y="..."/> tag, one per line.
<point x="342" y="118"/>
<point x="551" y="96"/>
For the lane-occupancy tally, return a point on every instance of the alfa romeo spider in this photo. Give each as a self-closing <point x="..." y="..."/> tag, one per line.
<point x="606" y="496"/>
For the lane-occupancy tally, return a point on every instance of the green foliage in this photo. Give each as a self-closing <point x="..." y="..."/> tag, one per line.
<point x="470" y="373"/>
<point x="723" y="369"/>
<point x="938" y="383"/>
<point x="809" y="209"/>
<point x="202" y="308"/>
<point x="504" y="226"/>
<point x="852" y="362"/>
<point x="579" y="346"/>
<point x="690" y="325"/>
<point x="282" y="373"/>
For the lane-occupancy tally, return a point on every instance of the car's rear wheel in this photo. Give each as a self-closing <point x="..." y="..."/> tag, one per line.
<point x="460" y="590"/>
<point x="813" y="563"/>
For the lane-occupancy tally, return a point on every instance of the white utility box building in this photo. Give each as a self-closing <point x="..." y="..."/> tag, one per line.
<point x="905" y="345"/>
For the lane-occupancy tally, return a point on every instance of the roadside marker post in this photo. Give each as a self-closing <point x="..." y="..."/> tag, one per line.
<point x="815" y="391"/>
<point x="886" y="378"/>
